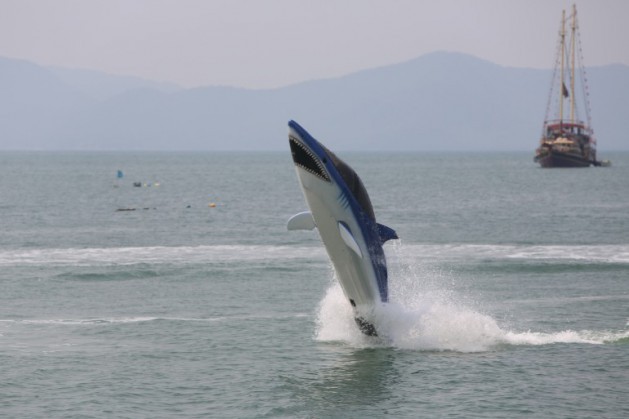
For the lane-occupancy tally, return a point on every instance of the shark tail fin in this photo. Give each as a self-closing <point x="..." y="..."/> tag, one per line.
<point x="386" y="233"/>
<point x="301" y="221"/>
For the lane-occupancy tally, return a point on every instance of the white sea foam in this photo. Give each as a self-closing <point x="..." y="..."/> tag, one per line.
<point x="433" y="323"/>
<point x="566" y="336"/>
<point x="584" y="253"/>
<point x="74" y="322"/>
<point x="408" y="254"/>
<point x="141" y="319"/>
<point x="156" y="255"/>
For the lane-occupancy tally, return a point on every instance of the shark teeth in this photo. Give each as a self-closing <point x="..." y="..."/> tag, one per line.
<point x="307" y="160"/>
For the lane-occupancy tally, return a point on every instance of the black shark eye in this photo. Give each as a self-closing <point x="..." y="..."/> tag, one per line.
<point x="305" y="159"/>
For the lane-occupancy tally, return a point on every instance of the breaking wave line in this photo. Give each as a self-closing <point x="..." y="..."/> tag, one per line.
<point x="156" y="255"/>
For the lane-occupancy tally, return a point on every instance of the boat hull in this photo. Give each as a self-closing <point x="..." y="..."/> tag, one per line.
<point x="555" y="159"/>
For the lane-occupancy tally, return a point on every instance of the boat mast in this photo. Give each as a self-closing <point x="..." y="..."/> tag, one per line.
<point x="572" y="48"/>
<point x="562" y="36"/>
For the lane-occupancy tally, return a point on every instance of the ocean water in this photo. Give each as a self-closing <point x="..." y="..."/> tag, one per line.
<point x="509" y="289"/>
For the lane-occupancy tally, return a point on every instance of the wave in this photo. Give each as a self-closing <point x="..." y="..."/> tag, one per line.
<point x="406" y="253"/>
<point x="156" y="255"/>
<point x="433" y="323"/>
<point x="74" y="322"/>
<point x="585" y="253"/>
<point x="144" y="319"/>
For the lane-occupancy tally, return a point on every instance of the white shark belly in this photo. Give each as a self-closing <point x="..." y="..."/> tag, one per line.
<point x="355" y="273"/>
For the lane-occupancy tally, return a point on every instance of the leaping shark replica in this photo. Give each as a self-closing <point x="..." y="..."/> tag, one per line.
<point x="341" y="210"/>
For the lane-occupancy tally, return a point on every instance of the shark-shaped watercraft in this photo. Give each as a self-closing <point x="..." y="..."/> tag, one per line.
<point x="341" y="210"/>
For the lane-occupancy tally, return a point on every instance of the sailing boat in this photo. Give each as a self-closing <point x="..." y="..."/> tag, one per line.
<point x="566" y="140"/>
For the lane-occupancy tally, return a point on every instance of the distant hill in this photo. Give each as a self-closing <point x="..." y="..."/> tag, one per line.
<point x="101" y="86"/>
<point x="437" y="102"/>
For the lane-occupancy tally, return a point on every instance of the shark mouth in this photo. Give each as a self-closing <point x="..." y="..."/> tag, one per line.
<point x="306" y="159"/>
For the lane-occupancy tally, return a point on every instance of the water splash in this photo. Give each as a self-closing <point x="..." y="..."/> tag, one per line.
<point x="424" y="314"/>
<point x="428" y="325"/>
<point x="434" y="324"/>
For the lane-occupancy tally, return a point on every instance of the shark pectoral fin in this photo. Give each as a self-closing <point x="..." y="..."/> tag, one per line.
<point x="301" y="221"/>
<point x="349" y="239"/>
<point x="386" y="233"/>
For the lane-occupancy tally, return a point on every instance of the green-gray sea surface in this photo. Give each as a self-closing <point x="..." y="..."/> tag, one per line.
<point x="509" y="289"/>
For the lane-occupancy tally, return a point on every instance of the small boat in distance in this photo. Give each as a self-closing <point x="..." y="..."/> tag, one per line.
<point x="568" y="142"/>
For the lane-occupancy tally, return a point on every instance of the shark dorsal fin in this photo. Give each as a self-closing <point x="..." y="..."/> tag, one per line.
<point x="386" y="233"/>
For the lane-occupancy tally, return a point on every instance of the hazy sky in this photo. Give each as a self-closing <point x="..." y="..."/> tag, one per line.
<point x="261" y="44"/>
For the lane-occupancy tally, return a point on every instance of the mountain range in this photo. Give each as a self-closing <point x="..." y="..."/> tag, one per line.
<point x="437" y="102"/>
